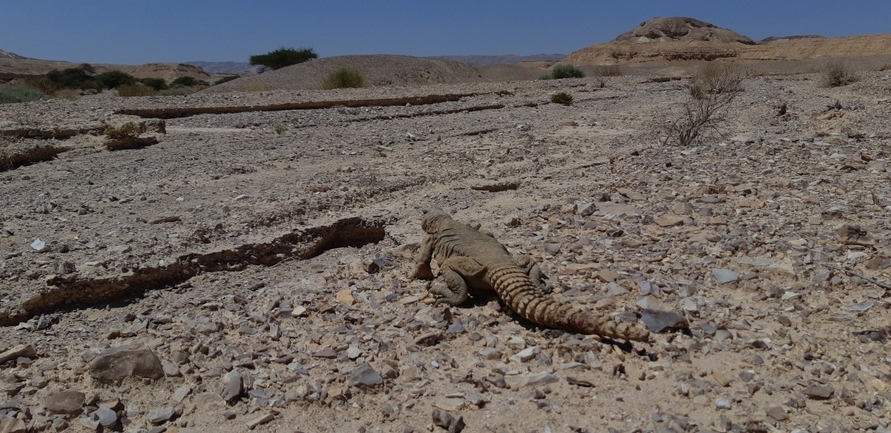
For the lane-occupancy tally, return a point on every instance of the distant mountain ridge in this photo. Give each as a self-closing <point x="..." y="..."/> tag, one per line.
<point x="8" y="55"/>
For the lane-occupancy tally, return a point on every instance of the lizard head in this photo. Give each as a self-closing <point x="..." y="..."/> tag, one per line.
<point x="431" y="216"/>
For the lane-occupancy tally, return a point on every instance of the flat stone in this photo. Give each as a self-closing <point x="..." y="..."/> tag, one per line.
<point x="818" y="392"/>
<point x="521" y="380"/>
<point x="723" y="276"/>
<point x="12" y="425"/>
<point x="105" y="416"/>
<point x="20" y="351"/>
<point x="345" y="296"/>
<point x="180" y="394"/>
<point x="234" y="387"/>
<point x="65" y="402"/>
<point x="777" y="413"/>
<point x="668" y="220"/>
<point x="656" y="321"/>
<point x="364" y="375"/>
<point x="525" y="354"/>
<point x="160" y="416"/>
<point x="260" y="420"/>
<point x="449" y="403"/>
<point x="610" y="208"/>
<point x="119" y="362"/>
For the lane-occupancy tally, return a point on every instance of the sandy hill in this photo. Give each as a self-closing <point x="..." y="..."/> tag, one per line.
<point x="667" y="40"/>
<point x="378" y="70"/>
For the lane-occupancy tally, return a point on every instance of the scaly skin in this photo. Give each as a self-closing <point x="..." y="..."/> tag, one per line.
<point x="470" y="259"/>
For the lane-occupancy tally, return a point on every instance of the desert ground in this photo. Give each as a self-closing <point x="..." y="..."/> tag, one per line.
<point x="256" y="259"/>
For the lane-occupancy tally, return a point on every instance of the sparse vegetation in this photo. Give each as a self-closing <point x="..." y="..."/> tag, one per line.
<point x="563" y="71"/>
<point x="607" y="71"/>
<point x="283" y="57"/>
<point x="114" y="79"/>
<point x="562" y="98"/>
<point x="566" y="71"/>
<point x="127" y="130"/>
<point x="74" y="78"/>
<point x="13" y="94"/>
<point x="344" y="78"/>
<point x="226" y="79"/>
<point x="154" y="83"/>
<point x="185" y="81"/>
<point x="127" y="90"/>
<point x="279" y="128"/>
<point x="717" y="78"/>
<point x="712" y="92"/>
<point x="836" y="74"/>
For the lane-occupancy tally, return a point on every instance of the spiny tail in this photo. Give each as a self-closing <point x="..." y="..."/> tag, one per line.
<point x="521" y="295"/>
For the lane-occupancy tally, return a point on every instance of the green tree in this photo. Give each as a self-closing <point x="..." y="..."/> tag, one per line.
<point x="283" y="57"/>
<point x="113" y="79"/>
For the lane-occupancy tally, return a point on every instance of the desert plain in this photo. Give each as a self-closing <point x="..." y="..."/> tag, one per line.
<point x="257" y="256"/>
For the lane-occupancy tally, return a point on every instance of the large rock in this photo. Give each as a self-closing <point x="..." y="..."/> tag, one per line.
<point x="119" y="362"/>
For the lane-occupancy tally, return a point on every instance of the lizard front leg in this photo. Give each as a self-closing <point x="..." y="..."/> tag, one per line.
<point x="425" y="255"/>
<point x="456" y="273"/>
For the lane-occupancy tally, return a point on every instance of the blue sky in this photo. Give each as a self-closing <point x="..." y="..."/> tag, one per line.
<point x="135" y="32"/>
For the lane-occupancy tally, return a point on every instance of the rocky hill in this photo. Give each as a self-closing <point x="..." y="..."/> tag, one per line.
<point x="680" y="29"/>
<point x="663" y="41"/>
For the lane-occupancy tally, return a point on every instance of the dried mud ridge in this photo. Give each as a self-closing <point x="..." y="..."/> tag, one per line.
<point x="73" y="291"/>
<point x="171" y="113"/>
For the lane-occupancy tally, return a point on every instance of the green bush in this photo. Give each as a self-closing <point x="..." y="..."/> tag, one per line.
<point x="546" y="77"/>
<point x="154" y="83"/>
<point x="74" y="78"/>
<point x="283" y="57"/>
<point x="226" y="79"/>
<point x="113" y="79"/>
<point x="836" y="74"/>
<point x="12" y="94"/>
<point x="562" y="98"/>
<point x="566" y="71"/>
<point x="344" y="78"/>
<point x="177" y="91"/>
<point x="137" y="89"/>
<point x="185" y="82"/>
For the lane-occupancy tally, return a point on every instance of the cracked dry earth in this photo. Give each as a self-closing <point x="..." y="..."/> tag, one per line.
<point x="256" y="264"/>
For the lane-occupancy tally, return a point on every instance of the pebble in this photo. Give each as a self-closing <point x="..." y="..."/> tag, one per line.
<point x="526" y="354"/>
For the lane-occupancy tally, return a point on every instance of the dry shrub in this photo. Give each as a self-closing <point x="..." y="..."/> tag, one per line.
<point x="562" y="98"/>
<point x="717" y="78"/>
<point x="885" y="67"/>
<point x="128" y="90"/>
<point x="607" y="71"/>
<point x="836" y="73"/>
<point x="69" y="94"/>
<point x="344" y="78"/>
<point x="712" y="91"/>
